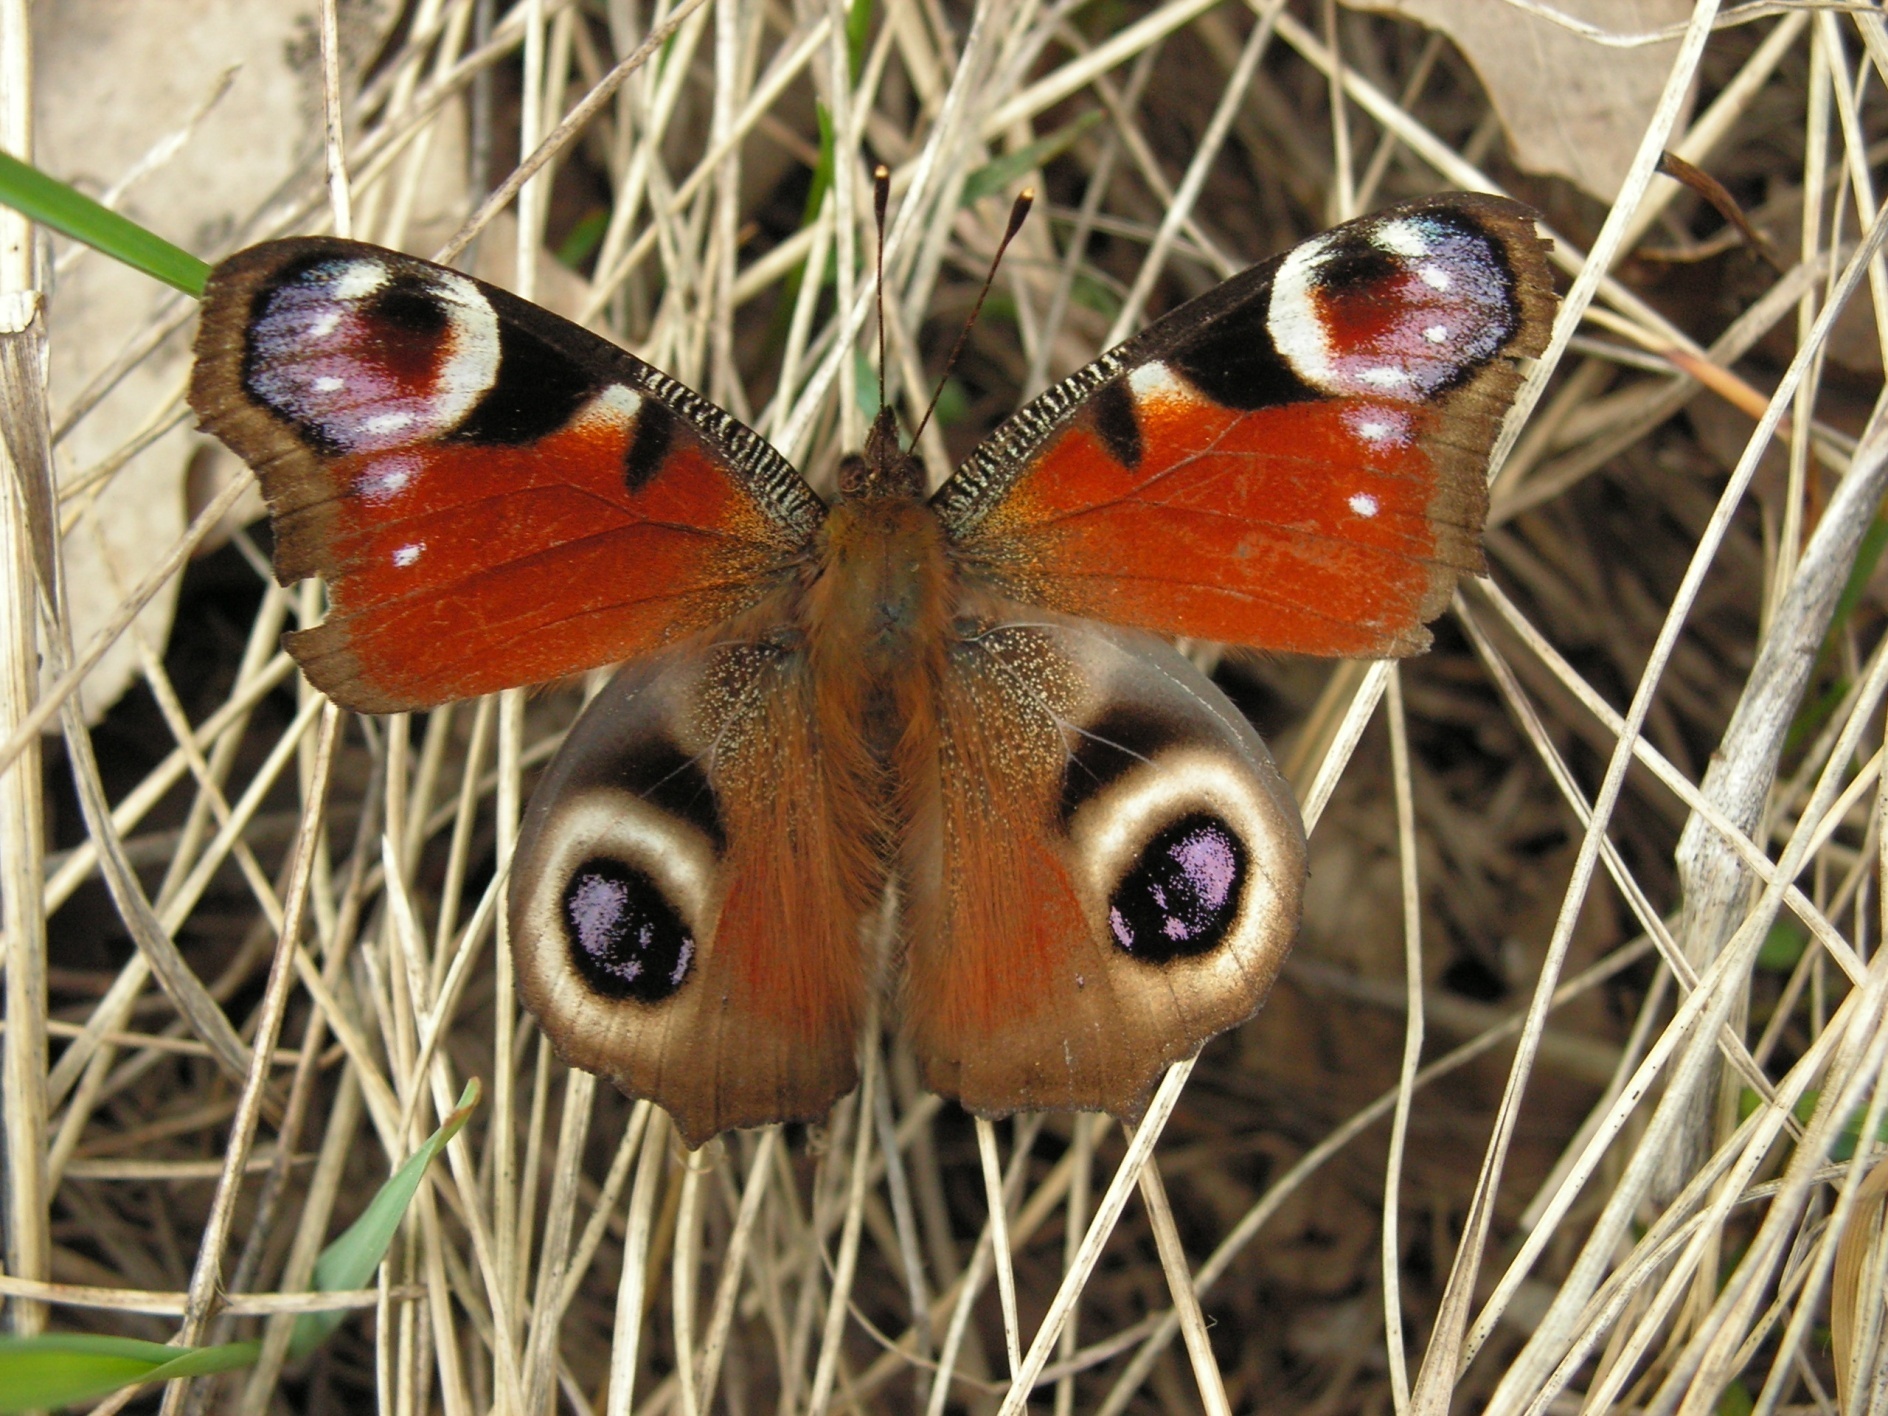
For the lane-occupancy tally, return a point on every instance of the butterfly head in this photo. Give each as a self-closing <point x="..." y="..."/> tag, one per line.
<point x="884" y="469"/>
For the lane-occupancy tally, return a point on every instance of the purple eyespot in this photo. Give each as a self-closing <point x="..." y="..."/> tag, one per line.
<point x="1183" y="894"/>
<point x="625" y="938"/>
<point x="367" y="354"/>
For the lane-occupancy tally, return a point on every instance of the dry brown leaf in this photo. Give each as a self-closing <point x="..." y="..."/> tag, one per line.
<point x="1855" y="1286"/>
<point x="1570" y="107"/>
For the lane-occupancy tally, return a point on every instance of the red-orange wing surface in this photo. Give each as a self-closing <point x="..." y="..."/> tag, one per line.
<point x="494" y="496"/>
<point x="1293" y="461"/>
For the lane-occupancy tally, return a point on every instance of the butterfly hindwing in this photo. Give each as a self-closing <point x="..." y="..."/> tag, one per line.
<point x="1293" y="461"/>
<point x="1106" y="874"/>
<point x="495" y="496"/>
<point x="689" y="888"/>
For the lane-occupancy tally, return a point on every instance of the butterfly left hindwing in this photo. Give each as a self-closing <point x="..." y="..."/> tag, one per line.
<point x="690" y="887"/>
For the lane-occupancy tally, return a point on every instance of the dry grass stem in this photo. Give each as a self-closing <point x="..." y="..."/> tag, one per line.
<point x="1571" y="1098"/>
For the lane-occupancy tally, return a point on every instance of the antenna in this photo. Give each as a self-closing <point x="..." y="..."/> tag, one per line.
<point x="1024" y="201"/>
<point x="881" y="194"/>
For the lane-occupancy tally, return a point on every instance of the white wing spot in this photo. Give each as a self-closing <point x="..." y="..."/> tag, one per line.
<point x="1384" y="377"/>
<point x="1435" y="277"/>
<point x="620" y="398"/>
<point x="1401" y="238"/>
<point x="385" y="423"/>
<point x="615" y="407"/>
<point x="1437" y="334"/>
<point x="1364" y="504"/>
<point x="1156" y="383"/>
<point x="325" y="325"/>
<point x="408" y="553"/>
<point x="328" y="383"/>
<point x="1377" y="424"/>
<point x="387" y="480"/>
<point x="359" y="280"/>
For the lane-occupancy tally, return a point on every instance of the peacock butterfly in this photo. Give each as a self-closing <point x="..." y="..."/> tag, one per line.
<point x="954" y="712"/>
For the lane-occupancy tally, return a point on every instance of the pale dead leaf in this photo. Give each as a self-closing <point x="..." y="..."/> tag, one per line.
<point x="114" y="81"/>
<point x="1570" y="107"/>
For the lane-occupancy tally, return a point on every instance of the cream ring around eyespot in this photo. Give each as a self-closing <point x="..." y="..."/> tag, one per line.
<point x="619" y="826"/>
<point x="471" y="367"/>
<point x="1111" y="831"/>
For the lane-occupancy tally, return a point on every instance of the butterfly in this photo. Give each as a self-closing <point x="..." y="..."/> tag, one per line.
<point x="936" y="750"/>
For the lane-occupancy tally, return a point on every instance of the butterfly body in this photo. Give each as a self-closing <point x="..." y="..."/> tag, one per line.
<point x="932" y="750"/>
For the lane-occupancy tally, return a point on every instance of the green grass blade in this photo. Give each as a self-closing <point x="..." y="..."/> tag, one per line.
<point x="52" y="203"/>
<point x="350" y="1261"/>
<point x="61" y="1369"/>
<point x="37" y="1373"/>
<point x="1004" y="172"/>
<point x="858" y="32"/>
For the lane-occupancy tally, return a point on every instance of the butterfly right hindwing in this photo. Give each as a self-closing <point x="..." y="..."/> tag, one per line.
<point x="1106" y="870"/>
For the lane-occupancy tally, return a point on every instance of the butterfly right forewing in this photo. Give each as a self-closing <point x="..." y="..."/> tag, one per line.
<point x="1293" y="461"/>
<point x="495" y="496"/>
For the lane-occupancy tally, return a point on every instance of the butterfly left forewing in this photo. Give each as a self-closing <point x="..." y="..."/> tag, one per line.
<point x="495" y="496"/>
<point x="1104" y="872"/>
<point x="1294" y="461"/>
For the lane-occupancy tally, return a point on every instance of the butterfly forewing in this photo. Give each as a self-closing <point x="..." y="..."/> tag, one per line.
<point x="1294" y="461"/>
<point x="495" y="496"/>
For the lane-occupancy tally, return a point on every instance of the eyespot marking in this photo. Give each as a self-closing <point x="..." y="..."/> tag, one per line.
<point x="368" y="355"/>
<point x="1407" y="306"/>
<point x="1183" y="893"/>
<point x="625" y="938"/>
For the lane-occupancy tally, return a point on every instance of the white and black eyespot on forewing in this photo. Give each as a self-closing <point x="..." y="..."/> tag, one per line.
<point x="1400" y="306"/>
<point x="362" y="351"/>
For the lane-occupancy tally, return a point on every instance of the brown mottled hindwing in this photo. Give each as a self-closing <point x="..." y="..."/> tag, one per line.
<point x="1112" y="874"/>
